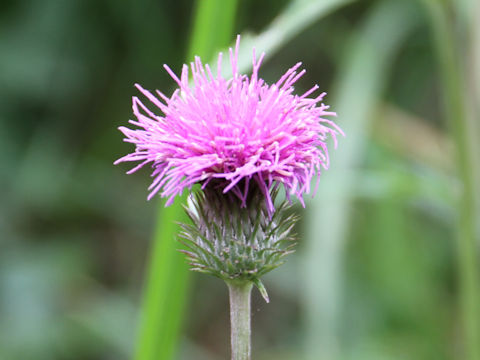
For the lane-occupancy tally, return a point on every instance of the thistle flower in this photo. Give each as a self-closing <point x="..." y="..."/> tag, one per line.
<point x="236" y="133"/>
<point x="242" y="140"/>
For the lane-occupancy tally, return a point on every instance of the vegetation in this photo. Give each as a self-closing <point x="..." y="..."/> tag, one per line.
<point x="387" y="262"/>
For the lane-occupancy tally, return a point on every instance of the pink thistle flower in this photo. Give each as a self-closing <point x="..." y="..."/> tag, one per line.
<point x="238" y="132"/>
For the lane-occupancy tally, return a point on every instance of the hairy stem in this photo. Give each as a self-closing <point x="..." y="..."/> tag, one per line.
<point x="240" y="293"/>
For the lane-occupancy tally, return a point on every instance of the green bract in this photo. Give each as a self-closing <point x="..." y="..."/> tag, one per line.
<point x="235" y="243"/>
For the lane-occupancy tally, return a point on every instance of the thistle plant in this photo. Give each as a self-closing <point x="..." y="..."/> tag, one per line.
<point x="243" y="142"/>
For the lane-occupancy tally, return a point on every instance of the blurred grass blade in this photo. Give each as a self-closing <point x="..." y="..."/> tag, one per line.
<point x="213" y="27"/>
<point x="297" y="16"/>
<point x="475" y="50"/>
<point x="474" y="86"/>
<point x="464" y="128"/>
<point x="356" y="95"/>
<point x="167" y="282"/>
<point x="471" y="21"/>
<point x="165" y="290"/>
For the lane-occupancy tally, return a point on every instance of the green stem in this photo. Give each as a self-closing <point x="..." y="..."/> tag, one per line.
<point x="465" y="137"/>
<point x="240" y="293"/>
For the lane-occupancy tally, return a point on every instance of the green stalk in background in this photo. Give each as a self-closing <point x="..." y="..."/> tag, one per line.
<point x="373" y="48"/>
<point x="295" y="18"/>
<point x="167" y="275"/>
<point x="165" y="291"/>
<point x="213" y="27"/>
<point x="465" y="136"/>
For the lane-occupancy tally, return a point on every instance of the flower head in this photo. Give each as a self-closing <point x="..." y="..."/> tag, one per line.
<point x="231" y="133"/>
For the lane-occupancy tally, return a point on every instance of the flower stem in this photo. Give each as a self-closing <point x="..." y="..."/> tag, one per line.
<point x="240" y="293"/>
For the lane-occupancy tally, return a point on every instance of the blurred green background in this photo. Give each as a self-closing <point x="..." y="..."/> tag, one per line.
<point x="386" y="267"/>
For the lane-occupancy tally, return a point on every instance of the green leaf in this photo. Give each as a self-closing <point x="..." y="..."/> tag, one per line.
<point x="165" y="291"/>
<point x="213" y="27"/>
